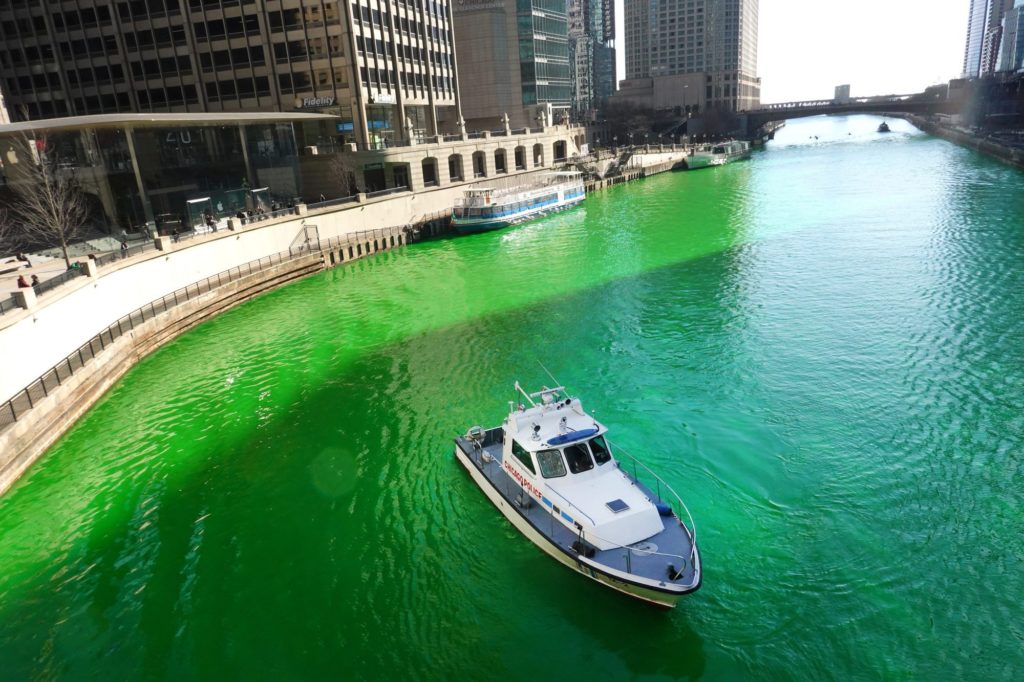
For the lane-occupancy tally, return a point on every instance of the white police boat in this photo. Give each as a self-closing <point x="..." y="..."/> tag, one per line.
<point x="550" y="469"/>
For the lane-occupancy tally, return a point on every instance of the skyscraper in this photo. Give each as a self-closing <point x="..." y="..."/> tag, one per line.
<point x="700" y="53"/>
<point x="385" y="66"/>
<point x="984" y="33"/>
<point x="513" y="60"/>
<point x="1011" y="54"/>
<point x="592" y="58"/>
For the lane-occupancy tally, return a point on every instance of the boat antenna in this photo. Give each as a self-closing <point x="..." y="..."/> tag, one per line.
<point x="549" y="373"/>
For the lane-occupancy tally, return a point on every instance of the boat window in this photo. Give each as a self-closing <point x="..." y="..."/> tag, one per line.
<point x="523" y="456"/>
<point x="550" y="462"/>
<point x="578" y="458"/>
<point x="600" y="450"/>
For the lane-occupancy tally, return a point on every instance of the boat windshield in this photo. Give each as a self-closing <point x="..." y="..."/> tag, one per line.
<point x="550" y="462"/>
<point x="600" y="449"/>
<point x="578" y="458"/>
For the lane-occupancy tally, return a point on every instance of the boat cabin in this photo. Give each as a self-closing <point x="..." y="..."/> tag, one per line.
<point x="560" y="456"/>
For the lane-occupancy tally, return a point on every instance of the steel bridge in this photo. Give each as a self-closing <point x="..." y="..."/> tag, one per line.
<point x="751" y="121"/>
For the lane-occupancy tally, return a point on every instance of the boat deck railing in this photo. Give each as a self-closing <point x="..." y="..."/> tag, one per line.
<point x="511" y="488"/>
<point x="659" y="483"/>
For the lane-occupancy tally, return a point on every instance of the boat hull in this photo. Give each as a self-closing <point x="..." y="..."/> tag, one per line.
<point x="616" y="580"/>
<point x="471" y="226"/>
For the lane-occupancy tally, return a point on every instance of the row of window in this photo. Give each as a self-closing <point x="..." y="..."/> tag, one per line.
<point x="579" y="457"/>
<point x="382" y="20"/>
<point x="414" y="54"/>
<point x="388" y="79"/>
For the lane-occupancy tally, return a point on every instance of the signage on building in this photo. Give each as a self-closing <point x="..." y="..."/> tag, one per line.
<point x="473" y="5"/>
<point x="346" y="127"/>
<point x="313" y="102"/>
<point x="383" y="98"/>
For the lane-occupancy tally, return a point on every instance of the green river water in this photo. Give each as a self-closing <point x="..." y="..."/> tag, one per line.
<point x="821" y="349"/>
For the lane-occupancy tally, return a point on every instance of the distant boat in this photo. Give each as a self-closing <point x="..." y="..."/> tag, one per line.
<point x="489" y="208"/>
<point x="883" y="127"/>
<point x="718" y="154"/>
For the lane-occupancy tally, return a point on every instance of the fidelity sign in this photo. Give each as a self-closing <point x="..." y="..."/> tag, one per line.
<point x="314" y="102"/>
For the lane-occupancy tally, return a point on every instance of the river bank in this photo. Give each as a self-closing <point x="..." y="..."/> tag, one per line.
<point x="999" y="149"/>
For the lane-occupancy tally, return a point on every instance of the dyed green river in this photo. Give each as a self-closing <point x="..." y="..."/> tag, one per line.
<point x="821" y="348"/>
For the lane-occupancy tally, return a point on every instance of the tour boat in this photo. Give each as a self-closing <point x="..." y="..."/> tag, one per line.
<point x="550" y="469"/>
<point x="489" y="208"/>
<point x="883" y="127"/>
<point x="718" y="154"/>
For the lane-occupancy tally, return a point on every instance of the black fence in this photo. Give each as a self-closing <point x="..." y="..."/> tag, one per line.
<point x="327" y="203"/>
<point x="54" y="282"/>
<point x="8" y="305"/>
<point x="25" y="400"/>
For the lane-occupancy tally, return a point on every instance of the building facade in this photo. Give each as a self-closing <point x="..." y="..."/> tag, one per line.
<point x="591" y="31"/>
<point x="984" y="36"/>
<point x="1011" y="52"/>
<point x="4" y="116"/>
<point x="701" y="54"/>
<point x="513" y="61"/>
<point x="386" y="68"/>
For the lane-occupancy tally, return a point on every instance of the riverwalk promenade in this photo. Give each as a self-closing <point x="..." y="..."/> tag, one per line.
<point x="66" y="347"/>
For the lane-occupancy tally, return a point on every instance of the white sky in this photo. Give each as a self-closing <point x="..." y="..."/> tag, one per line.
<point x="807" y="47"/>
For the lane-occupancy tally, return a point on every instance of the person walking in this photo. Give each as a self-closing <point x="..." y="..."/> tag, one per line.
<point x="124" y="249"/>
<point x="22" y="282"/>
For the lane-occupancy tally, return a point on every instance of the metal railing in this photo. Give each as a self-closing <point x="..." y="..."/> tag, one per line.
<point x="353" y="238"/>
<point x="691" y="529"/>
<point x="60" y="279"/>
<point x="7" y="305"/>
<point x="23" y="401"/>
<point x="385" y="192"/>
<point x="327" y="203"/>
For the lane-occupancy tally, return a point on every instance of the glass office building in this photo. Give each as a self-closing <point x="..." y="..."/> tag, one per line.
<point x="386" y="68"/>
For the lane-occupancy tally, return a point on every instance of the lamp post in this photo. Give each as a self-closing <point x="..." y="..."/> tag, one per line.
<point x="615" y="141"/>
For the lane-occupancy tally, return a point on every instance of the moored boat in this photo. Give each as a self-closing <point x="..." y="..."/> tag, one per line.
<point x="883" y="127"/>
<point x="718" y="154"/>
<point x="550" y="469"/>
<point x="489" y="208"/>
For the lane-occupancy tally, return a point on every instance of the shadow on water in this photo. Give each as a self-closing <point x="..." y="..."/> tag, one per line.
<point x="346" y="505"/>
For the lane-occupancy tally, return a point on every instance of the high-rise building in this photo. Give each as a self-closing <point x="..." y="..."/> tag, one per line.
<point x="386" y="67"/>
<point x="693" y="53"/>
<point x="592" y="64"/>
<point x="513" y="60"/>
<point x="4" y="116"/>
<point x="1011" y="53"/>
<point x="984" y="33"/>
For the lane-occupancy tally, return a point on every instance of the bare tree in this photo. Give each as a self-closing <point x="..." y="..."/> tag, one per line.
<point x="48" y="204"/>
<point x="6" y="232"/>
<point x="343" y="172"/>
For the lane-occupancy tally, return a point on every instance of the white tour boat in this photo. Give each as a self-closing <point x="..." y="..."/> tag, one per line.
<point x="550" y="470"/>
<point x="718" y="154"/>
<point x="489" y="208"/>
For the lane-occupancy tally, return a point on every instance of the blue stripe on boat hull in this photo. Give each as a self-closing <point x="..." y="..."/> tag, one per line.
<point x="499" y="223"/>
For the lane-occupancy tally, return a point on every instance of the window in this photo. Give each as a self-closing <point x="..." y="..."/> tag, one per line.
<point x="523" y="456"/>
<point x="550" y="462"/>
<point x="600" y="449"/>
<point x="578" y="458"/>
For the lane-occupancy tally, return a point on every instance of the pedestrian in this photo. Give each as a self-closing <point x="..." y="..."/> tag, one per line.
<point x="124" y="249"/>
<point x="22" y="282"/>
<point x="175" y="235"/>
<point x="35" y="280"/>
<point x="322" y="197"/>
